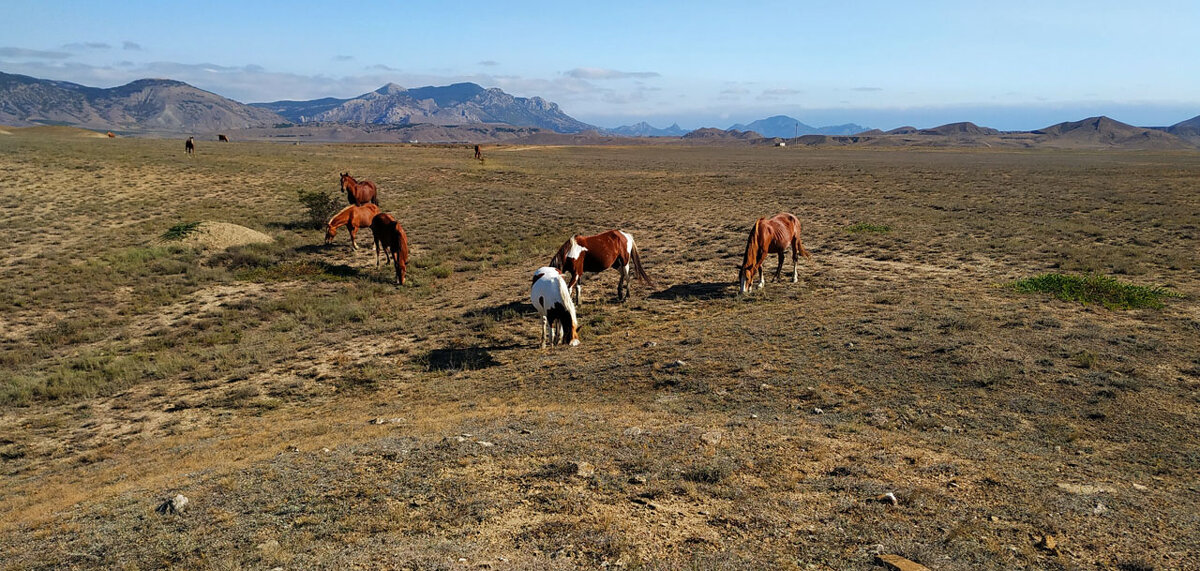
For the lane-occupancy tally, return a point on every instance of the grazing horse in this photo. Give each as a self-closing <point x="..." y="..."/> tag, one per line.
<point x="594" y="254"/>
<point x="111" y="135"/>
<point x="552" y="299"/>
<point x="358" y="193"/>
<point x="377" y="229"/>
<point x="189" y="146"/>
<point x="353" y="217"/>
<point x="478" y="154"/>
<point x="770" y="236"/>
<point x="391" y="236"/>
<point x="222" y="139"/>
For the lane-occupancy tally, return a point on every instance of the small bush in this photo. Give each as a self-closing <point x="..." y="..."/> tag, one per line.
<point x="180" y="231"/>
<point x="320" y="206"/>
<point x="1104" y="290"/>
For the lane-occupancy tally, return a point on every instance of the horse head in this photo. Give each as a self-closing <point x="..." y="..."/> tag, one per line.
<point x="330" y="232"/>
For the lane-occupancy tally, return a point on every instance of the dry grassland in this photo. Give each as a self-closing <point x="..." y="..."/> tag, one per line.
<point x="319" y="417"/>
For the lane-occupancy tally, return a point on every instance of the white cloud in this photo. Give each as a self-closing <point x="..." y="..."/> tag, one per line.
<point x="36" y="54"/>
<point x="598" y="73"/>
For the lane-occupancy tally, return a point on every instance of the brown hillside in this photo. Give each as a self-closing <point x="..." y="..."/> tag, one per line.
<point x="1102" y="132"/>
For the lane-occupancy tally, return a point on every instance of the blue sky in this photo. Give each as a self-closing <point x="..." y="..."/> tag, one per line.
<point x="1014" y="64"/>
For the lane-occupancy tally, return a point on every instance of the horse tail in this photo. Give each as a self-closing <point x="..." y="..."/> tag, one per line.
<point x="636" y="259"/>
<point x="799" y="242"/>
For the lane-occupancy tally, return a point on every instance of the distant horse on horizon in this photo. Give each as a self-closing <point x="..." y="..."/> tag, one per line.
<point x="478" y="154"/>
<point x="353" y="217"/>
<point x="770" y="236"/>
<point x="222" y="139"/>
<point x="391" y="236"/>
<point x="551" y="298"/>
<point x="189" y="147"/>
<point x="111" y="135"/>
<point x="594" y="254"/>
<point x="358" y="193"/>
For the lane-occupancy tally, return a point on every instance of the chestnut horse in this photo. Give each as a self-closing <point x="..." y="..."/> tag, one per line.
<point x="594" y="254"/>
<point x="551" y="298"/>
<point x="358" y="193"/>
<point x="353" y="217"/>
<point x="770" y="236"/>
<point x="222" y="139"/>
<point x="391" y="236"/>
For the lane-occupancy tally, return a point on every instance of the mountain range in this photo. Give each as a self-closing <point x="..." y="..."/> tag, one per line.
<point x="469" y="112"/>
<point x="786" y="127"/>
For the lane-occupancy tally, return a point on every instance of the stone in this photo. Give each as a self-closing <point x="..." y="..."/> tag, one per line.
<point x="269" y="545"/>
<point x="1048" y="543"/>
<point x="173" y="505"/>
<point x="712" y="438"/>
<point x="888" y="498"/>
<point x="1084" y="489"/>
<point x="897" y="563"/>
<point x="584" y="469"/>
<point x="484" y="443"/>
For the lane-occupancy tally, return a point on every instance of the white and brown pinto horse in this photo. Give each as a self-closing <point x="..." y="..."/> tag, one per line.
<point x="552" y="300"/>
<point x="770" y="236"/>
<point x="594" y="254"/>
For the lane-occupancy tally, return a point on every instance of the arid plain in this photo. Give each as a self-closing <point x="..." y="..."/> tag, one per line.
<point x="317" y="416"/>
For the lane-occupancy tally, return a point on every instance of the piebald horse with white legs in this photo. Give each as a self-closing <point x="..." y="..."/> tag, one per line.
<point x="770" y="236"/>
<point x="594" y="254"/>
<point x="552" y="299"/>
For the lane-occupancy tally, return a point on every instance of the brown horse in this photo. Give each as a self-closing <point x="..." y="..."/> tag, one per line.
<point x="358" y="193"/>
<point x="222" y="139"/>
<point x="353" y="217"/>
<point x="391" y="236"/>
<point x="189" y="147"/>
<point x="770" y="236"/>
<point x="112" y="135"/>
<point x="594" y="254"/>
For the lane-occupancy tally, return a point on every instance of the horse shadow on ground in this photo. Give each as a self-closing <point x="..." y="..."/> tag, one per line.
<point x="462" y="358"/>
<point x="505" y="311"/>
<point x="694" y="291"/>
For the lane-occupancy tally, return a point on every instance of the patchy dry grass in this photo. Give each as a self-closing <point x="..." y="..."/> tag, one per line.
<point x="318" y="416"/>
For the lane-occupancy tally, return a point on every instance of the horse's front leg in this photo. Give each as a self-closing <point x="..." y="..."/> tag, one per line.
<point x="779" y="268"/>
<point x="353" y="238"/>
<point x="762" y="277"/>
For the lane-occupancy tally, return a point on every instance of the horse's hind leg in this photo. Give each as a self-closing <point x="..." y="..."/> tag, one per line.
<point x="795" y="259"/>
<point x="623" y="283"/>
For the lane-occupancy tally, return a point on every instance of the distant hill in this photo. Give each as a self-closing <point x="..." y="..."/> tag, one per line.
<point x="1188" y="130"/>
<point x="713" y="134"/>
<point x="457" y="104"/>
<point x="146" y="105"/>
<point x="1102" y="132"/>
<point x="784" y="127"/>
<point x="644" y="129"/>
<point x="957" y="129"/>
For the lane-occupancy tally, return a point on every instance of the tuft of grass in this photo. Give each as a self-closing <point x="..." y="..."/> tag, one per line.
<point x="1109" y="292"/>
<point x="868" y="227"/>
<point x="180" y="231"/>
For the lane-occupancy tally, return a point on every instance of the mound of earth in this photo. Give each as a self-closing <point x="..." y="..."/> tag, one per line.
<point x="220" y="235"/>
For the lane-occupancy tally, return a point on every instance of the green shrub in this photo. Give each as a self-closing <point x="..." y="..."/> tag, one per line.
<point x="319" y="205"/>
<point x="1104" y="290"/>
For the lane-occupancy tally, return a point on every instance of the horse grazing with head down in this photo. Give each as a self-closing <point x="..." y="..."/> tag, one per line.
<point x="770" y="236"/>
<point x="353" y="217"/>
<point x="390" y="235"/>
<point x="552" y="299"/>
<point x="222" y="139"/>
<point x="358" y="193"/>
<point x="594" y="254"/>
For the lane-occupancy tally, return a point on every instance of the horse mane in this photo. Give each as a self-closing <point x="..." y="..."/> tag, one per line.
<point x="559" y="261"/>
<point x="752" y="246"/>
<point x="340" y="212"/>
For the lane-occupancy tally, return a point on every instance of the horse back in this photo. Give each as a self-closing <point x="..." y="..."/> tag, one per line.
<point x="603" y="250"/>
